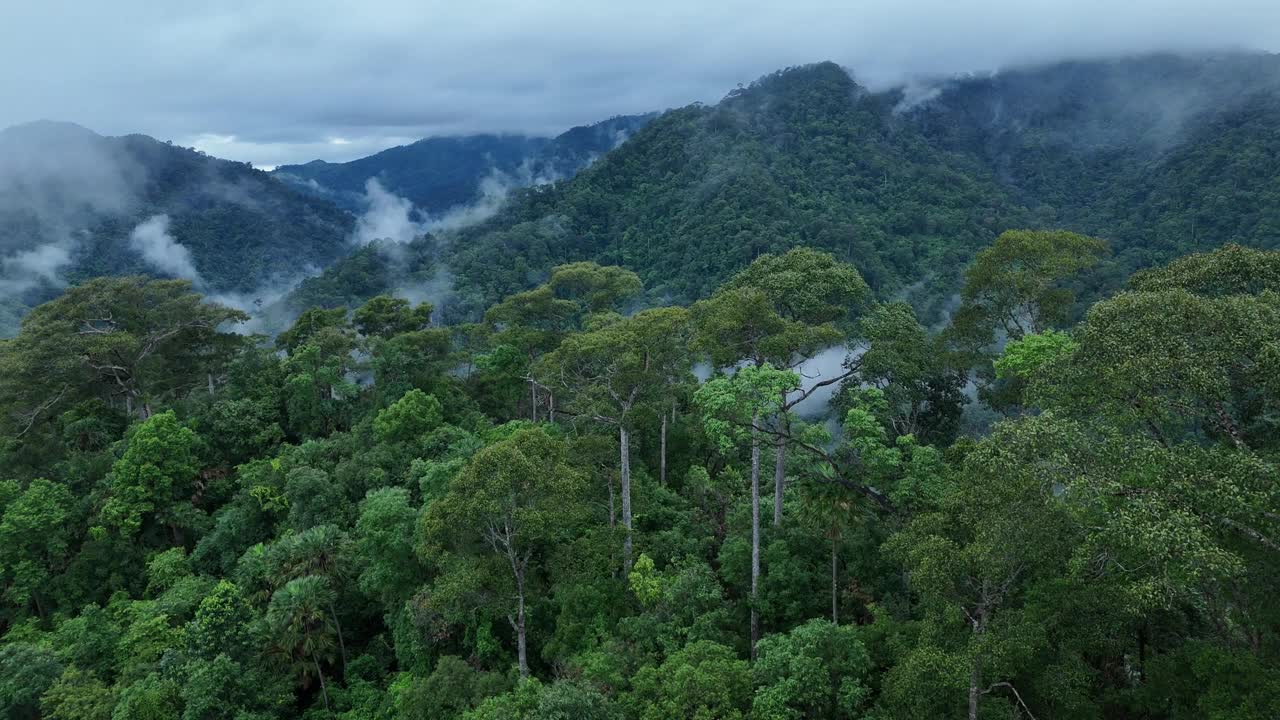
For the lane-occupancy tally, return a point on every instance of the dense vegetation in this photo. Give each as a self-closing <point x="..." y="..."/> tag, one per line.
<point x="440" y="173"/>
<point x="546" y="514"/>
<point x="1159" y="155"/>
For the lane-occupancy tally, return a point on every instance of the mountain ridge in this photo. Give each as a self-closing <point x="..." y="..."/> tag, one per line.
<point x="440" y="173"/>
<point x="808" y="156"/>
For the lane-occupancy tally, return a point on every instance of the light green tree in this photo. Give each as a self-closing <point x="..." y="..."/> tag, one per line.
<point x="488" y="535"/>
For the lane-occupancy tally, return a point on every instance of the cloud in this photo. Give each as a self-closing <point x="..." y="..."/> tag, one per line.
<point x="392" y="218"/>
<point x="151" y="239"/>
<point x="281" y="81"/>
<point x="389" y="217"/>
<point x="55" y="180"/>
<point x="26" y="269"/>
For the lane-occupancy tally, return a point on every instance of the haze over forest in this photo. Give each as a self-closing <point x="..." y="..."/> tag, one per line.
<point x="535" y="361"/>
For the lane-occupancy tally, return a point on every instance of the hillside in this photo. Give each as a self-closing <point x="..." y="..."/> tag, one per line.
<point x="439" y="173"/>
<point x="1160" y="155"/>
<point x="70" y="200"/>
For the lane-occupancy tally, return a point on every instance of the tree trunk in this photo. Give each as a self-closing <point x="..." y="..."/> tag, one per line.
<point x="662" y="453"/>
<point x="975" y="679"/>
<point x="521" y="646"/>
<point x="613" y="508"/>
<point x="320" y="674"/>
<point x="533" y="401"/>
<point x="779" y="480"/>
<point x="979" y="623"/>
<point x="624" y="440"/>
<point x="551" y="406"/>
<point x="209" y="377"/>
<point x="835" y="597"/>
<point x="755" y="537"/>
<point x="342" y="644"/>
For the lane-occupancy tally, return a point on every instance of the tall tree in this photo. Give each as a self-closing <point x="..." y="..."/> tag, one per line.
<point x="513" y="503"/>
<point x="733" y="407"/>
<point x="609" y="373"/>
<point x="153" y="484"/>
<point x="130" y="341"/>
<point x="782" y="310"/>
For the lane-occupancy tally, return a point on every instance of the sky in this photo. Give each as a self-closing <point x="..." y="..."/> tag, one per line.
<point x="284" y="81"/>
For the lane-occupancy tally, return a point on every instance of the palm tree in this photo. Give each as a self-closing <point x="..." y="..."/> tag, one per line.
<point x="829" y="507"/>
<point x="302" y="628"/>
<point x="318" y="551"/>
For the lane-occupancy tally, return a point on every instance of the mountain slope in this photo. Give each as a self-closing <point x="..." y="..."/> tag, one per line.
<point x="71" y="199"/>
<point x="437" y="174"/>
<point x="1159" y="155"/>
<point x="804" y="156"/>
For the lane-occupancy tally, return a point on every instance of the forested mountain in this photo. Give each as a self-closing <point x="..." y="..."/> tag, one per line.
<point x="801" y="405"/>
<point x="71" y="201"/>
<point x="440" y="173"/>
<point x="1160" y="155"/>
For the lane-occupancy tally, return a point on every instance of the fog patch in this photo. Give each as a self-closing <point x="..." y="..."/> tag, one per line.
<point x="157" y="246"/>
<point x="438" y="291"/>
<point x="267" y="307"/>
<point x="388" y="217"/>
<point x="830" y="363"/>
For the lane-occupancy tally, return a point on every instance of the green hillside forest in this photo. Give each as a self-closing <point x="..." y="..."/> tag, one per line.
<point x="1159" y="155"/>
<point x="824" y="401"/>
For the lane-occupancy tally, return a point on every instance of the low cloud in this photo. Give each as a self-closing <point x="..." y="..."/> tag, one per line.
<point x="389" y="217"/>
<point x="393" y="219"/>
<point x="152" y="240"/>
<point x="27" y="269"/>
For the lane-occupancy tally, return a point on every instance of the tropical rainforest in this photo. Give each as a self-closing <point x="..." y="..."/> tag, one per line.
<point x="820" y="402"/>
<point x="565" y="511"/>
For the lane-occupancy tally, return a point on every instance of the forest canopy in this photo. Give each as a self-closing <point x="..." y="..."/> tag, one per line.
<point x="574" y="508"/>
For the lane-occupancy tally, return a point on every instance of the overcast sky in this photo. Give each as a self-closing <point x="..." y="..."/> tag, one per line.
<point x="275" y="81"/>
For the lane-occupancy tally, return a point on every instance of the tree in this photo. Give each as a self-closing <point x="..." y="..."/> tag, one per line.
<point x="974" y="563"/>
<point x="532" y="700"/>
<point x="1174" y="365"/>
<point x="817" y="670"/>
<point x="596" y="289"/>
<point x="384" y="316"/>
<point x="703" y="681"/>
<point x="733" y="407"/>
<point x="1018" y="284"/>
<point x="130" y="341"/>
<point x="301" y="627"/>
<point x="389" y="570"/>
<point x="514" y="501"/>
<point x="35" y="539"/>
<point x="781" y="310"/>
<point x="415" y="414"/>
<point x="609" y="373"/>
<point x="154" y="482"/>
<point x="26" y="672"/>
<point x="221" y="624"/>
<point x="78" y="695"/>
<point x="533" y="322"/>
<point x="921" y="389"/>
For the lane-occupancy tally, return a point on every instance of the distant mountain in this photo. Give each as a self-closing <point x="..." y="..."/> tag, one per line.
<point x="1160" y="155"/>
<point x="71" y="201"/>
<point x="440" y="173"/>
